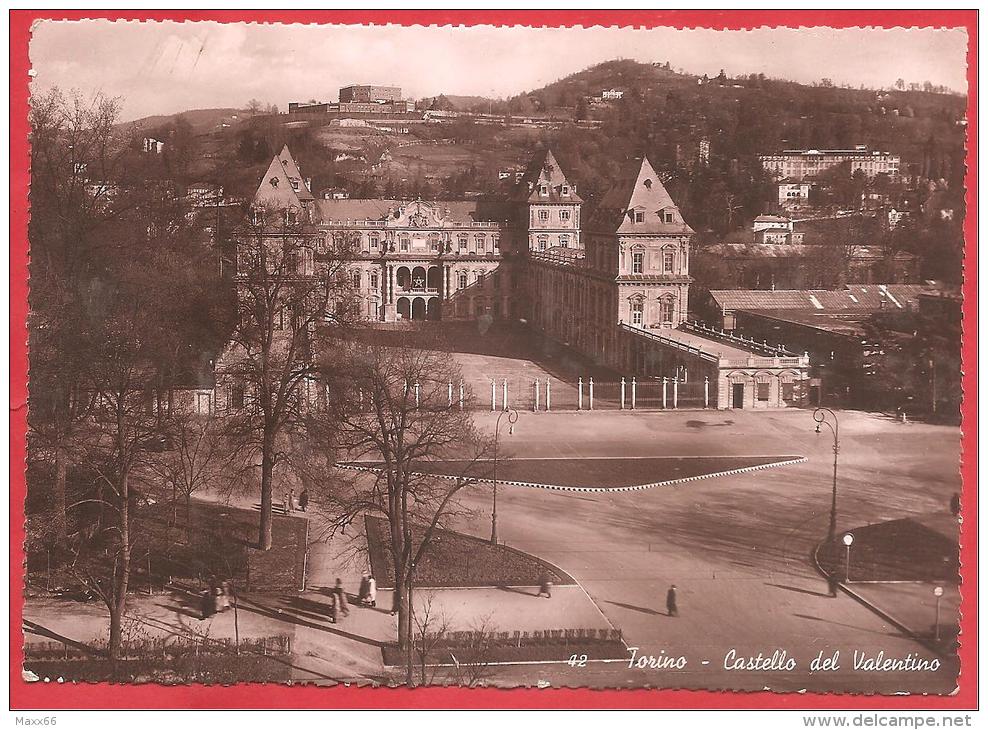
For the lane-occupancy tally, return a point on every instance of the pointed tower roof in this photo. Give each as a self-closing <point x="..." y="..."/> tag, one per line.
<point x="640" y="192"/>
<point x="294" y="173"/>
<point x="545" y="182"/>
<point x="275" y="191"/>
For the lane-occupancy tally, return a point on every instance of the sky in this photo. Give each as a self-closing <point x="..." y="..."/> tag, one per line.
<point x="168" y="67"/>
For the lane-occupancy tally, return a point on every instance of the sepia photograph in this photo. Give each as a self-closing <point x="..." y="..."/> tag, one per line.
<point x="496" y="356"/>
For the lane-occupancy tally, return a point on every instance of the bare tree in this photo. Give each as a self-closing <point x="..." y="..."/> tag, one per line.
<point x="72" y="155"/>
<point x="390" y="407"/>
<point x="292" y="287"/>
<point x="198" y="458"/>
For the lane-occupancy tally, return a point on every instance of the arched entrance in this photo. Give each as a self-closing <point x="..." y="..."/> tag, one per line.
<point x="404" y="308"/>
<point x="418" y="278"/>
<point x="432" y="308"/>
<point x="435" y="278"/>
<point x="403" y="277"/>
<point x="418" y="308"/>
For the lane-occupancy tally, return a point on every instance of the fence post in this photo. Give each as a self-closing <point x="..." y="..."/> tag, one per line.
<point x="675" y="392"/>
<point x="548" y="395"/>
<point x="706" y="392"/>
<point x="634" y="393"/>
<point x="535" y="386"/>
<point x="504" y="394"/>
<point x="664" y="381"/>
<point x="416" y="395"/>
<point x="493" y="394"/>
<point x="622" y="394"/>
<point x="579" y="399"/>
<point x="461" y="395"/>
<point x="449" y="393"/>
<point x="591" y="392"/>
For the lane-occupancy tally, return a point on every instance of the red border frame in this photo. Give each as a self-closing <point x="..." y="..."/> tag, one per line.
<point x="41" y="696"/>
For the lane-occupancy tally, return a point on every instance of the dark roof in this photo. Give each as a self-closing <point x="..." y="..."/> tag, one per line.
<point x="640" y="190"/>
<point x="855" y="297"/>
<point x="358" y="209"/>
<point x="544" y="170"/>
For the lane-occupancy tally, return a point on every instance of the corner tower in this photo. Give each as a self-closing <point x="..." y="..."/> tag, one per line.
<point x="549" y="206"/>
<point x="638" y="235"/>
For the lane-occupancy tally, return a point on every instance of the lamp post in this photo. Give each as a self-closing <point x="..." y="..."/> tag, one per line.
<point x="848" y="541"/>
<point x="512" y="419"/>
<point x="938" y="592"/>
<point x="824" y="416"/>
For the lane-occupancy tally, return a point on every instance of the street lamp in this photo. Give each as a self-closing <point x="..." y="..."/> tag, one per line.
<point x="512" y="419"/>
<point x="820" y="415"/>
<point x="938" y="592"/>
<point x="848" y="541"/>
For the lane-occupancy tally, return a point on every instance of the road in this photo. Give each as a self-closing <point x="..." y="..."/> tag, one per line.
<point x="737" y="547"/>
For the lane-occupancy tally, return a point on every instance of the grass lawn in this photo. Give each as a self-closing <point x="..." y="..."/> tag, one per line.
<point x="601" y="473"/>
<point x="457" y="560"/>
<point x="914" y="549"/>
<point x="219" y="541"/>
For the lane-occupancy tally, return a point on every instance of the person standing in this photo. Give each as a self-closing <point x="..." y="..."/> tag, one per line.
<point x="291" y="500"/>
<point x="303" y="499"/>
<point x="284" y="501"/>
<point x="372" y="590"/>
<point x="363" y="595"/>
<point x="671" y="608"/>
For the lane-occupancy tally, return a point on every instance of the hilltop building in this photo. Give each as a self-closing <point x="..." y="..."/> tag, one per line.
<point x="613" y="285"/>
<point x="800" y="165"/>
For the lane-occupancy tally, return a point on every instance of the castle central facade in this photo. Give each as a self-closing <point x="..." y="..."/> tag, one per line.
<point x="613" y="284"/>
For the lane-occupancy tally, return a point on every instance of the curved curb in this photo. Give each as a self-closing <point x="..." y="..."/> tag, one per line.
<point x="880" y="612"/>
<point x="561" y="488"/>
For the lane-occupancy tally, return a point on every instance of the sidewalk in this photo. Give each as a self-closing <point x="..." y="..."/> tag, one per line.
<point x="914" y="606"/>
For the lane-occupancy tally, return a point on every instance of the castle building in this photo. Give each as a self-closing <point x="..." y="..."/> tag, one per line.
<point x="615" y="288"/>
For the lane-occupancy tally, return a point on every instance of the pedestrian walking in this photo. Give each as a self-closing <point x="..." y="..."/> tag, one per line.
<point x="671" y="607"/>
<point x="207" y="604"/>
<point x="545" y="586"/>
<point x="363" y="594"/>
<point x="340" y="597"/>
<point x="372" y="590"/>
<point x="303" y="500"/>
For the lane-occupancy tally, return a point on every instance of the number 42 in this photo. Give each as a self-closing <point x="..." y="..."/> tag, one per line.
<point x="578" y="660"/>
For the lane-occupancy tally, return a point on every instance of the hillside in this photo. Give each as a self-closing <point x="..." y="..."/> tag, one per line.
<point x="663" y="114"/>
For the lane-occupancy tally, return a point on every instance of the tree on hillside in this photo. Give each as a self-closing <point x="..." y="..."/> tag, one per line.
<point x="391" y="405"/>
<point x="73" y="158"/>
<point x="292" y="286"/>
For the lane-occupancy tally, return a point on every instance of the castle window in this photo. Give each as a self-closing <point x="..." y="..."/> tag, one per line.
<point x="462" y="280"/>
<point x="480" y="240"/>
<point x="565" y="190"/>
<point x="668" y="217"/>
<point x="543" y="189"/>
<point x="543" y="242"/>
<point x="373" y="280"/>
<point x="637" y="312"/>
<point x="639" y="216"/>
<point x="543" y="215"/>
<point x="666" y="309"/>
<point x="403" y="243"/>
<point x="495" y="244"/>
<point x="564" y="241"/>
<point x="668" y="259"/>
<point x="356" y="279"/>
<point x="564" y="215"/>
<point x="375" y="242"/>
<point x="461" y="242"/>
<point x="761" y="391"/>
<point x="237" y="395"/>
<point x="638" y="262"/>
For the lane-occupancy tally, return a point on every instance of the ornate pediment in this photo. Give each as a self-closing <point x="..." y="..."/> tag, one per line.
<point x="419" y="214"/>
